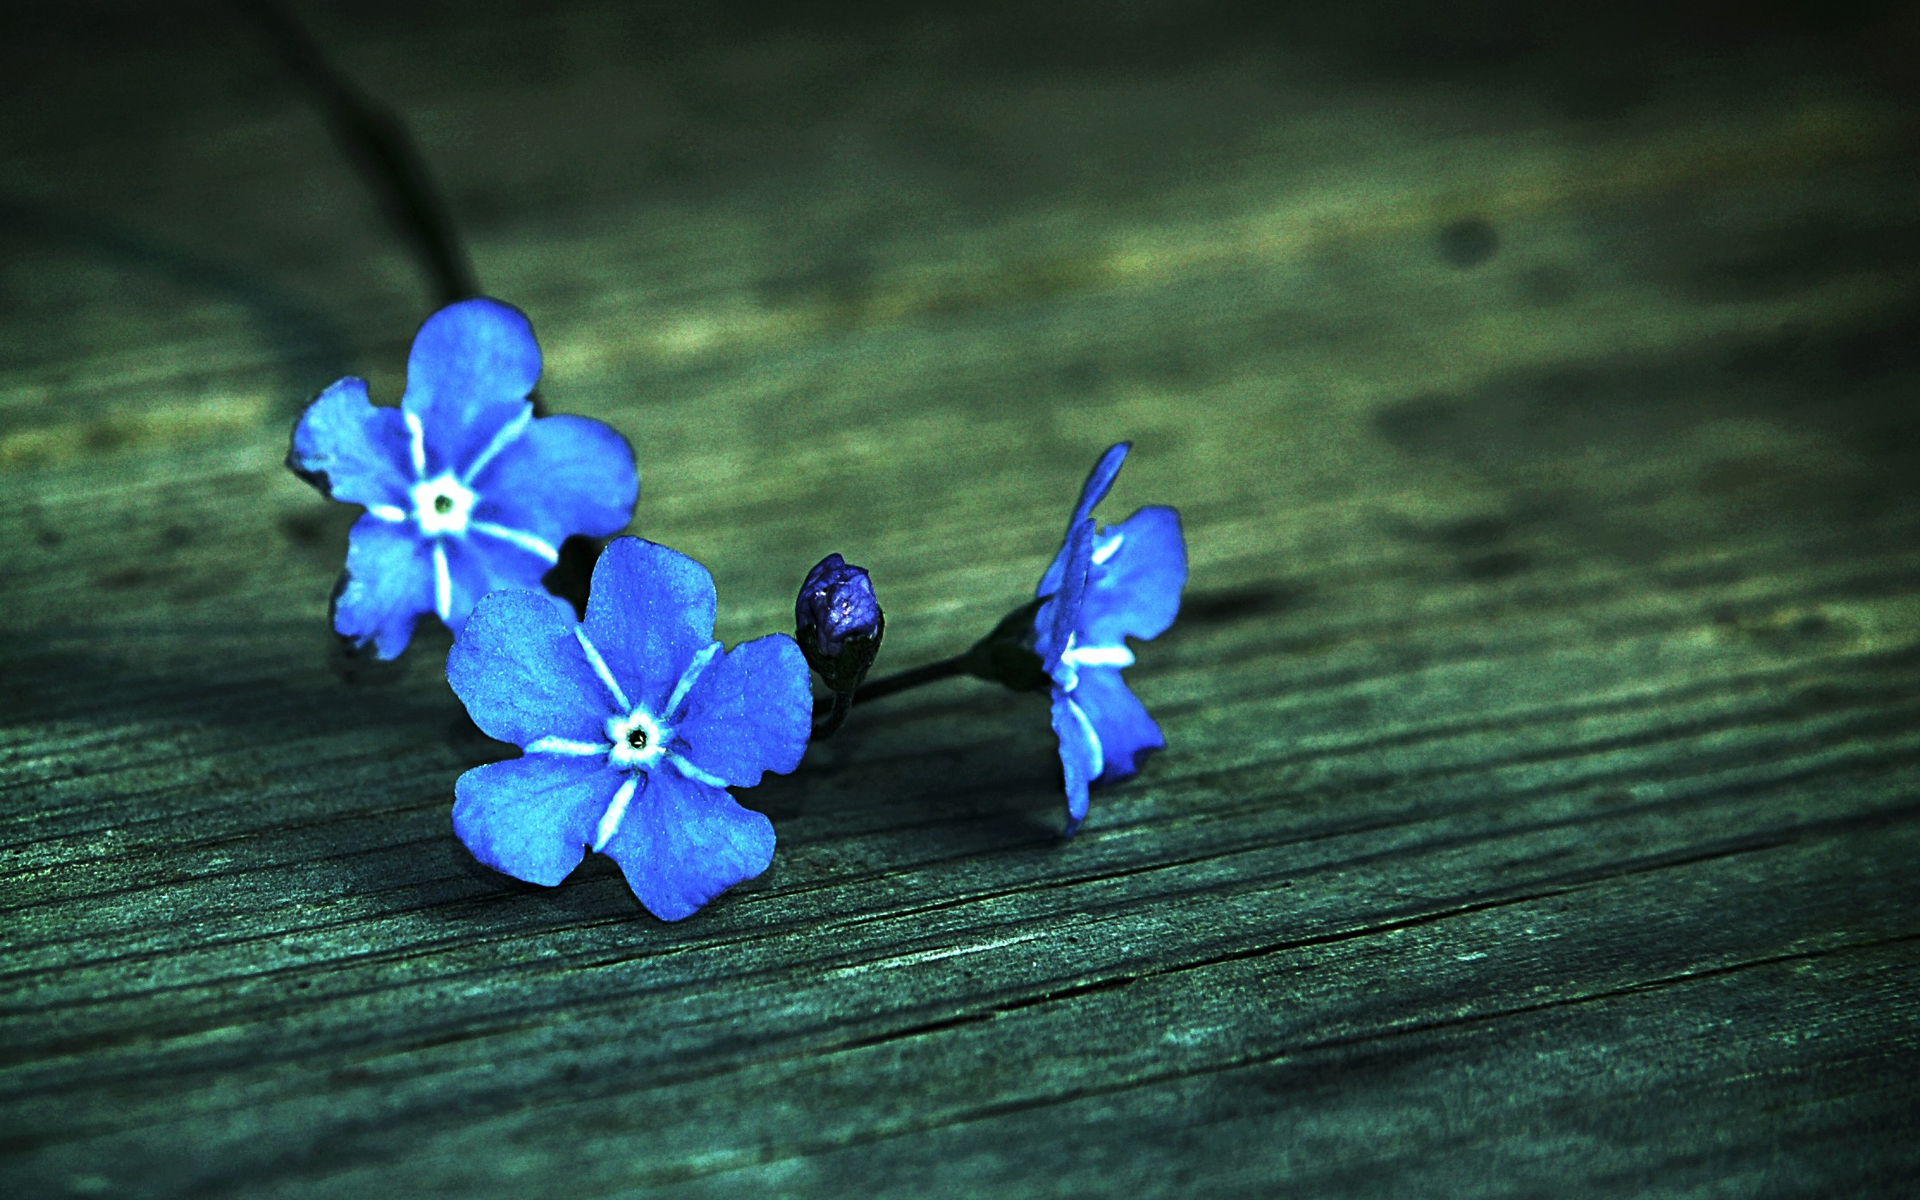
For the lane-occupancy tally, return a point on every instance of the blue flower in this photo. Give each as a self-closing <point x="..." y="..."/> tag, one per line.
<point x="633" y="724"/>
<point x="1103" y="587"/>
<point x="465" y="490"/>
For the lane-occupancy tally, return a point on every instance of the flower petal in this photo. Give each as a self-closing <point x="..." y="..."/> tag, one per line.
<point x="1119" y="720"/>
<point x="478" y="564"/>
<point x="1060" y="615"/>
<point x="1080" y="755"/>
<point x="533" y="817"/>
<point x="649" y="612"/>
<point x="352" y="450"/>
<point x="1099" y="480"/>
<point x="750" y="712"/>
<point x="682" y="843"/>
<point x="468" y="375"/>
<point x="387" y="585"/>
<point x="1136" y="592"/>
<point x="563" y="475"/>
<point x="522" y="674"/>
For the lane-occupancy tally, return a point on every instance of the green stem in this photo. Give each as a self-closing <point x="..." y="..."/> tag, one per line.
<point x="829" y="711"/>
<point x="900" y="681"/>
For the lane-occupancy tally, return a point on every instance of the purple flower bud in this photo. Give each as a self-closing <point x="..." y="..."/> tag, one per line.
<point x="836" y="603"/>
<point x="838" y="623"/>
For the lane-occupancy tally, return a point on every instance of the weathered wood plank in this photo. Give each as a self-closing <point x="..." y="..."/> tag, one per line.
<point x="1545" y="712"/>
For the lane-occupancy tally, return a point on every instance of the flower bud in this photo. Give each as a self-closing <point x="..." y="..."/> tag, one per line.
<point x="838" y="622"/>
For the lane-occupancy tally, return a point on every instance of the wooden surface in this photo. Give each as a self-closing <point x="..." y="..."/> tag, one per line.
<point x="1543" y="800"/>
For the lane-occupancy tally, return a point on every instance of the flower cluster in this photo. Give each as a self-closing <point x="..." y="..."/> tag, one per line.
<point x="633" y="722"/>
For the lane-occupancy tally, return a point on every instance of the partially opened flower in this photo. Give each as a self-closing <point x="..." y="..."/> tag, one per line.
<point x="1106" y="584"/>
<point x="466" y="491"/>
<point x="633" y="724"/>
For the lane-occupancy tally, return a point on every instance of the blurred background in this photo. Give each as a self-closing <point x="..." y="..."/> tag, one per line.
<point x="1047" y="223"/>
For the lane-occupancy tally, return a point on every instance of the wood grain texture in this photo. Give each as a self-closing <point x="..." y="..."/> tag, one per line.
<point x="1543" y="791"/>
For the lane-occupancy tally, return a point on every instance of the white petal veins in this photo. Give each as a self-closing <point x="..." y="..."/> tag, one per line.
<point x="1093" y="738"/>
<point x="509" y="433"/>
<point x="442" y="583"/>
<point x="1099" y="656"/>
<point x="616" y="810"/>
<point x="567" y="746"/>
<point x="539" y="547"/>
<point x="689" y="677"/>
<point x="600" y="667"/>
<point x="694" y="773"/>
<point x="419" y="447"/>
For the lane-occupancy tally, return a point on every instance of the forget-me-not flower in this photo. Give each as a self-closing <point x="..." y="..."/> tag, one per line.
<point x="466" y="491"/>
<point x="633" y="724"/>
<point x="1103" y="587"/>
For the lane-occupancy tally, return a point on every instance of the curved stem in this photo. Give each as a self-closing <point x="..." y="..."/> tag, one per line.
<point x="380" y="146"/>
<point x="831" y="710"/>
<point x="838" y="706"/>
<point x="913" y="677"/>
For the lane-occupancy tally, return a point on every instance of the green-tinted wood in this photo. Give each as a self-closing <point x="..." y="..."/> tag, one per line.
<point x="1544" y="782"/>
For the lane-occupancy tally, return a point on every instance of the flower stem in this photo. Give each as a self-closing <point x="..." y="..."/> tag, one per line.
<point x="913" y="677"/>
<point x="830" y="711"/>
<point x="377" y="141"/>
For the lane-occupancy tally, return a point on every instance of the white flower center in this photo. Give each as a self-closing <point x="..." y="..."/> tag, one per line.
<point x="638" y="740"/>
<point x="443" y="505"/>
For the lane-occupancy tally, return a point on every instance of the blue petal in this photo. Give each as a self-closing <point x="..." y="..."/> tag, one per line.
<point x="1136" y="592"/>
<point x="533" y="817"/>
<point x="351" y="450"/>
<point x="682" y="843"/>
<point x="750" y="712"/>
<point x="1091" y="493"/>
<point x="387" y="585"/>
<point x="468" y="375"/>
<point x="562" y="476"/>
<point x="649" y="612"/>
<point x="1100" y="479"/>
<point x="1120" y="721"/>
<point x="522" y="674"/>
<point x="1060" y="615"/>
<point x="1079" y="754"/>
<point x="478" y="564"/>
